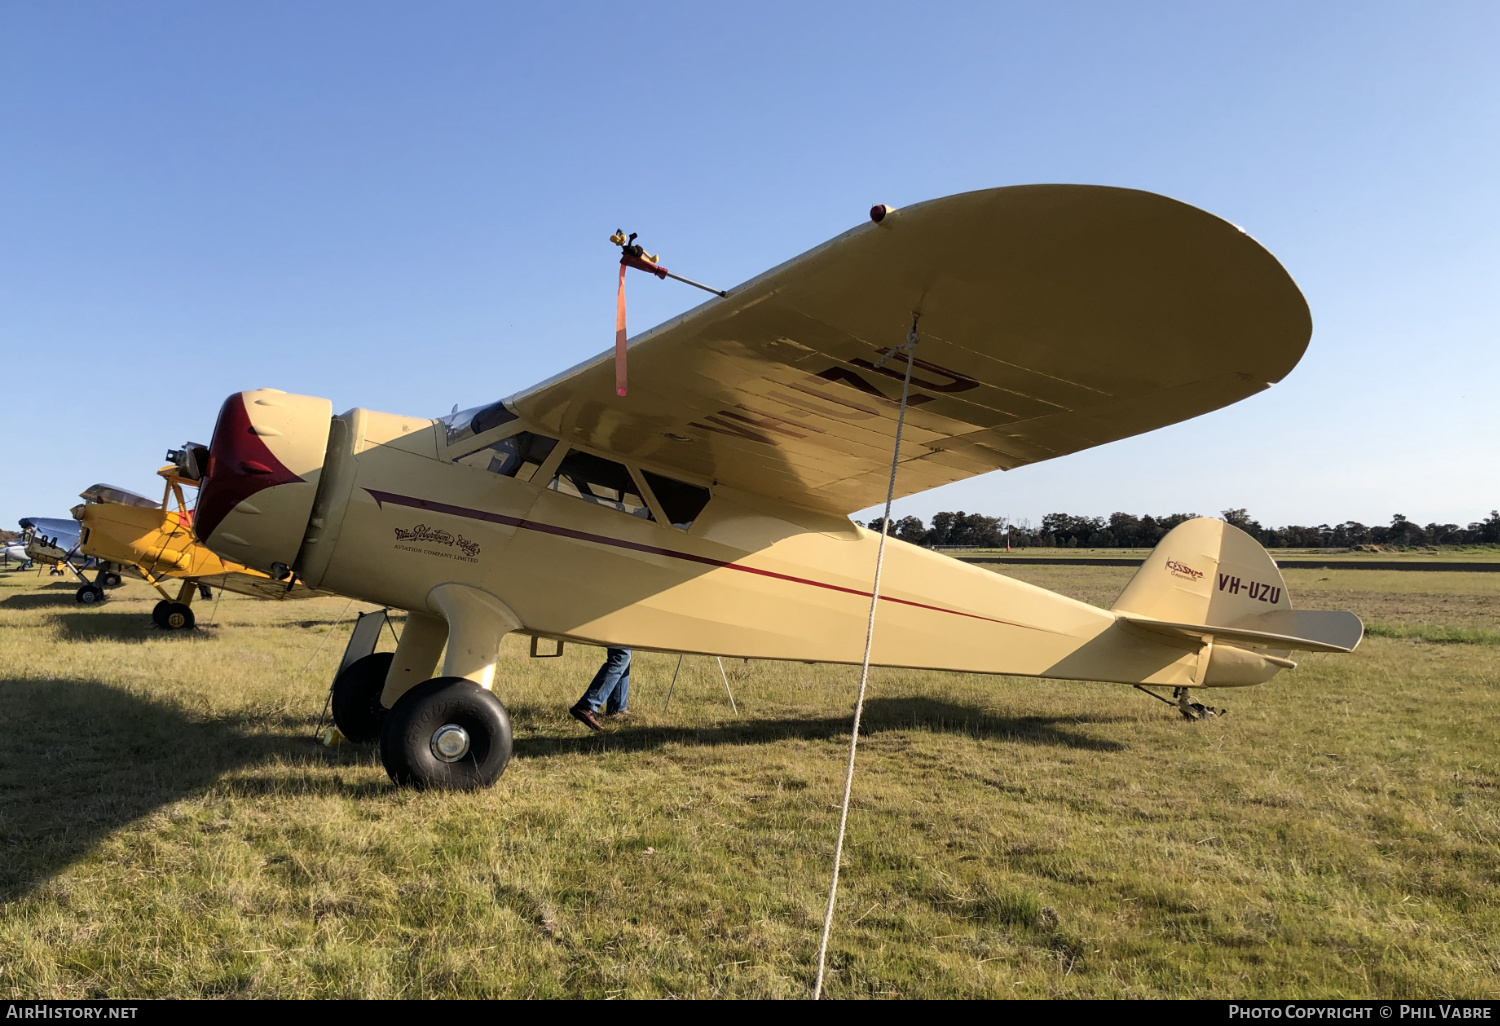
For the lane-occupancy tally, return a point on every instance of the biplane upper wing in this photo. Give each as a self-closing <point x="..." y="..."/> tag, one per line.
<point x="1052" y="318"/>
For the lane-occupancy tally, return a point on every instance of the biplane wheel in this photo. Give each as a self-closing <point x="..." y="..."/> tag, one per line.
<point x="89" y="594"/>
<point x="177" y="617"/>
<point x="159" y="612"/>
<point x="447" y="733"/>
<point x="357" y="711"/>
<point x="113" y="580"/>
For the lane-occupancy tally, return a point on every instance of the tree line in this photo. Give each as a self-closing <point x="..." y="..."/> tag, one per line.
<point x="1124" y="530"/>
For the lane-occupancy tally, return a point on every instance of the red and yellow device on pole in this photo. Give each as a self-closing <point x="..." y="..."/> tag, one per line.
<point x="634" y="255"/>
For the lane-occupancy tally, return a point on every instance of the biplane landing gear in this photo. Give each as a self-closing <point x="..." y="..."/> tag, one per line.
<point x="447" y="733"/>
<point x="357" y="711"/>
<point x="173" y="616"/>
<point x="90" y="594"/>
<point x="110" y="579"/>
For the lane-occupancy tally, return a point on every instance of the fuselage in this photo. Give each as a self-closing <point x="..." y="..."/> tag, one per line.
<point x="401" y="509"/>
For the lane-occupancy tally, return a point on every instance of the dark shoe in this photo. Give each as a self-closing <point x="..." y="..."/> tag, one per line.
<point x="586" y="716"/>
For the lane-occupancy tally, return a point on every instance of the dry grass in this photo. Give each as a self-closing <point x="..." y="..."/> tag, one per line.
<point x="166" y="828"/>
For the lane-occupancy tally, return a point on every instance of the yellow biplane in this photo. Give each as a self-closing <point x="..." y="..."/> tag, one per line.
<point x="707" y="511"/>
<point x="120" y="529"/>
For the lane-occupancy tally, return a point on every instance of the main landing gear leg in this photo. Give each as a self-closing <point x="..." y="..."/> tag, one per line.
<point x="177" y="616"/>
<point x="450" y="732"/>
<point x="367" y="688"/>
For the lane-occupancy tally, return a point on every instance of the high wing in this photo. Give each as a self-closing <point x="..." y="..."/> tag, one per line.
<point x="1052" y="318"/>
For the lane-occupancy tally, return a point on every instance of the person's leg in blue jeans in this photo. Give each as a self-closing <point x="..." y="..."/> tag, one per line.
<point x="609" y="689"/>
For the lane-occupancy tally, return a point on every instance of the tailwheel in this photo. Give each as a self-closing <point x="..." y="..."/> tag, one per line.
<point x="447" y="733"/>
<point x="357" y="711"/>
<point x="176" y="617"/>
<point x="90" y="594"/>
<point x="1193" y="711"/>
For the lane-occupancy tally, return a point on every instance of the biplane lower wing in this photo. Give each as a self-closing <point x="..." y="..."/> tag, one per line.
<point x="1051" y="318"/>
<point x="259" y="586"/>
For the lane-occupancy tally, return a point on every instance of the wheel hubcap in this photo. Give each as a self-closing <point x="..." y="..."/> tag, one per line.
<point x="176" y="620"/>
<point x="450" y="742"/>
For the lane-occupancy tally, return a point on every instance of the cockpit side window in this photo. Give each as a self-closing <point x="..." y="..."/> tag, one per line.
<point x="680" y="501"/>
<point x="599" y="480"/>
<point x="518" y="456"/>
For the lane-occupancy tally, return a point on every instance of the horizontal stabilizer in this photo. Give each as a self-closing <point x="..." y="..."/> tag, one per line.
<point x="1305" y="630"/>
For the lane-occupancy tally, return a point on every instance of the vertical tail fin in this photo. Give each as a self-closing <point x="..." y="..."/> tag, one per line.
<point x="1205" y="572"/>
<point x="1211" y="581"/>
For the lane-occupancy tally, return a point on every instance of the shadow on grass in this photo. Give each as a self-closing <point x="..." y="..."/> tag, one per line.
<point x="101" y="625"/>
<point x="881" y="715"/>
<point x="41" y="599"/>
<point x="81" y="760"/>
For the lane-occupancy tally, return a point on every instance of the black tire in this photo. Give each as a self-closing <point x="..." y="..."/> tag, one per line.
<point x="159" y="614"/>
<point x="178" y="617"/>
<point x="113" y="580"/>
<point x="90" y="594"/>
<point x="432" y="709"/>
<point x="357" y="711"/>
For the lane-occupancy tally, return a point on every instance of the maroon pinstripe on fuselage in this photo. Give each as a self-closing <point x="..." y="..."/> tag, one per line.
<point x="383" y="498"/>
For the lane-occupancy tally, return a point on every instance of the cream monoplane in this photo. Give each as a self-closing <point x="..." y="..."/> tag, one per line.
<point x="708" y="510"/>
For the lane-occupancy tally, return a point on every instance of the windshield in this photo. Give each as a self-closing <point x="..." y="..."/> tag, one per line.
<point x="480" y="419"/>
<point x="123" y="496"/>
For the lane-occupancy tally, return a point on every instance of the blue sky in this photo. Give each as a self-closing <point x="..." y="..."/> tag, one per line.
<point x="405" y="206"/>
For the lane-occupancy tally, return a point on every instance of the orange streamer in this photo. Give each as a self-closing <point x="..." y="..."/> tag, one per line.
<point x="620" y="334"/>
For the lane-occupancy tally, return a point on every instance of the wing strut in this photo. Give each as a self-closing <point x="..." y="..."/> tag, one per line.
<point x="634" y="255"/>
<point x="908" y="347"/>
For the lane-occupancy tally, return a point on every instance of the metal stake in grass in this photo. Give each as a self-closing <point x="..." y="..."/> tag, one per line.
<point x="726" y="686"/>
<point x="673" y="687"/>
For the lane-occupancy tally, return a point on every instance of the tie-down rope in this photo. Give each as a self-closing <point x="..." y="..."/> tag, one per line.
<point x="909" y="348"/>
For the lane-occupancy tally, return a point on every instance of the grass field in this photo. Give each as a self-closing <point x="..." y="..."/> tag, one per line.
<point x="168" y="828"/>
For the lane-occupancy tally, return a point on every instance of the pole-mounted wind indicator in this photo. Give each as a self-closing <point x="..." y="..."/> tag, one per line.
<point x="634" y="255"/>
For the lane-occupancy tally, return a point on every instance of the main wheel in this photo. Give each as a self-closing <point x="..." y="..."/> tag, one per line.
<point x="447" y="733"/>
<point x="177" y="617"/>
<point x="159" y="614"/>
<point x="357" y="711"/>
<point x="90" y="594"/>
<point x="112" y="580"/>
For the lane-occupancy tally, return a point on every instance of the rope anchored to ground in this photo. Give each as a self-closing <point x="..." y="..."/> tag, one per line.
<point x="908" y="348"/>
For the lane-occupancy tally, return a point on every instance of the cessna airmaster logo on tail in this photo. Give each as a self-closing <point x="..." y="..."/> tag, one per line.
<point x="708" y="510"/>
